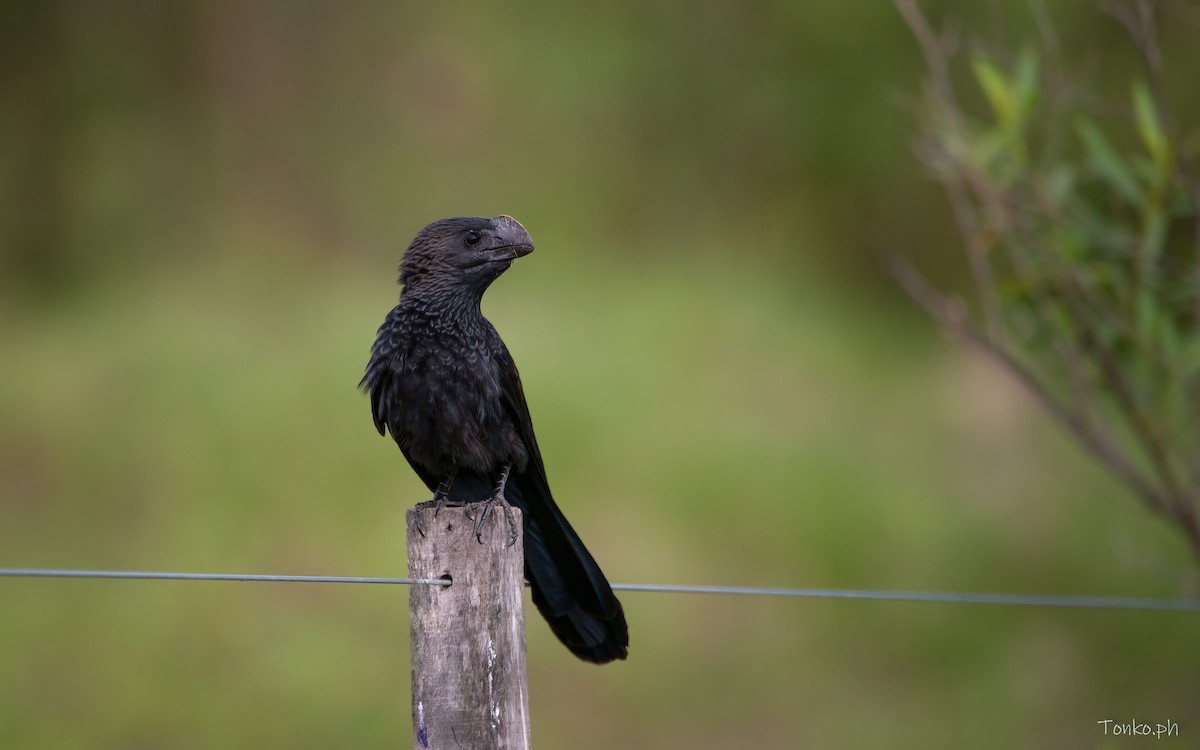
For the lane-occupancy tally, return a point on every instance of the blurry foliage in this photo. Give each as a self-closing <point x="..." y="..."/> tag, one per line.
<point x="1082" y="231"/>
<point x="141" y="133"/>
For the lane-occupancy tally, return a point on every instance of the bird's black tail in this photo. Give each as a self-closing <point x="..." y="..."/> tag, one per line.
<point x="568" y="586"/>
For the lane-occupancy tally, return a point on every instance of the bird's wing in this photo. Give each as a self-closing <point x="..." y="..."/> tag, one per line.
<point x="512" y="396"/>
<point x="385" y="362"/>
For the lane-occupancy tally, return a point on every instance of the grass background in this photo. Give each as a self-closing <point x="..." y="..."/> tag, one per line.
<point x="725" y="389"/>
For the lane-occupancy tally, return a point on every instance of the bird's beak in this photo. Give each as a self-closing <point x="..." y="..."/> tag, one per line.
<point x="512" y="240"/>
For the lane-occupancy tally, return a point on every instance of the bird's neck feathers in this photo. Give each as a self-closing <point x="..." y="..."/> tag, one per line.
<point x="443" y="298"/>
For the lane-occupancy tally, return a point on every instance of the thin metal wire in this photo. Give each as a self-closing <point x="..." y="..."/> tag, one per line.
<point x="138" y="574"/>
<point x="945" y="597"/>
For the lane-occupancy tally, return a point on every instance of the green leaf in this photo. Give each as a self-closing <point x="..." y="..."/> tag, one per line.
<point x="1106" y="162"/>
<point x="1149" y="127"/>
<point x="997" y="88"/>
<point x="1025" y="83"/>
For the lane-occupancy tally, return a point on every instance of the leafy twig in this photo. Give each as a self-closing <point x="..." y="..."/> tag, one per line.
<point x="1090" y="321"/>
<point x="953" y="318"/>
<point x="934" y="50"/>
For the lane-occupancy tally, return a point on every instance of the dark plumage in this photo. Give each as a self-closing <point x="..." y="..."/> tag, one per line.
<point x="444" y="385"/>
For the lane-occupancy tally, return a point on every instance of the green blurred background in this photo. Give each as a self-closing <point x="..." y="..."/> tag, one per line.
<point x="202" y="205"/>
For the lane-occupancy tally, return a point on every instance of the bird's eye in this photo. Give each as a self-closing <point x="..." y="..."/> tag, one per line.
<point x="472" y="238"/>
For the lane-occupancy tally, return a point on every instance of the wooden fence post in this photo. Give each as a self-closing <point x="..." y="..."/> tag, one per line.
<point x="469" y="684"/>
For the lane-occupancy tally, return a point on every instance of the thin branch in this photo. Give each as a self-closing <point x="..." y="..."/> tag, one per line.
<point x="953" y="317"/>
<point x="931" y="48"/>
<point x="978" y="253"/>
<point x="1136" y="416"/>
<point x="934" y="51"/>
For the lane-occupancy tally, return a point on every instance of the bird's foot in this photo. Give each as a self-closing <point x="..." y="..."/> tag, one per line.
<point x="440" y="499"/>
<point x="485" y="509"/>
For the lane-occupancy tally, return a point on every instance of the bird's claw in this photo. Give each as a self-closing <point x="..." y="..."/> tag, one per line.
<point x="440" y="499"/>
<point x="497" y="498"/>
<point x="485" y="509"/>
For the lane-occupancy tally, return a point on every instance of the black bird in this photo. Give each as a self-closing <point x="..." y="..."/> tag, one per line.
<point x="444" y="385"/>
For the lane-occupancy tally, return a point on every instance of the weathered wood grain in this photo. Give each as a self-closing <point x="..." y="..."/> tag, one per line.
<point x="469" y="684"/>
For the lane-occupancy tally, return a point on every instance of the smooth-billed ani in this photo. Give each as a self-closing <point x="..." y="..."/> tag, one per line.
<point x="444" y="385"/>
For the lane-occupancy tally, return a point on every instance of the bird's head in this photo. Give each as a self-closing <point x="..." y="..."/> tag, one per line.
<point x="464" y="252"/>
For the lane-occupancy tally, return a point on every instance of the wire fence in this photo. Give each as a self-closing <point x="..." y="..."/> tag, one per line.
<point x="944" y="597"/>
